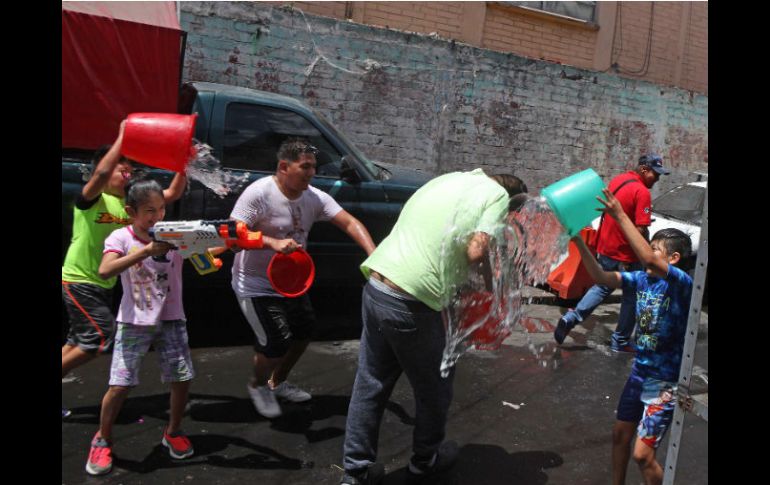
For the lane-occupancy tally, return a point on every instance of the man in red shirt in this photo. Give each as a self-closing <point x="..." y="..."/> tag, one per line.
<point x="632" y="189"/>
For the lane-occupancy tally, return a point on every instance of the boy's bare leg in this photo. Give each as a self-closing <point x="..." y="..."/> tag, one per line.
<point x="73" y="357"/>
<point x="286" y="364"/>
<point x="66" y="349"/>
<point x="648" y="465"/>
<point x="111" y="405"/>
<point x="623" y="433"/>
<point x="263" y="369"/>
<point x="177" y="402"/>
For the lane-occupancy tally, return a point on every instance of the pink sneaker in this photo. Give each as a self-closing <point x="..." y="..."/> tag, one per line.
<point x="178" y="444"/>
<point x="100" y="457"/>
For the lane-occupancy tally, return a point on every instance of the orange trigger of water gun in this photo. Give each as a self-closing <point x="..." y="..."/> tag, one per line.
<point x="244" y="238"/>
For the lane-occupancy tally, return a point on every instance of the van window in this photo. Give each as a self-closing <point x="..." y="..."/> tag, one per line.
<point x="253" y="134"/>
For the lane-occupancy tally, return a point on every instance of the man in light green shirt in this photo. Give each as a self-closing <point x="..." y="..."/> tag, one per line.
<point x="443" y="231"/>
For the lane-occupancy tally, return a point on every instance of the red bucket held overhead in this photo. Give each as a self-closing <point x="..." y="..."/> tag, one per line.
<point x="162" y="140"/>
<point x="291" y="274"/>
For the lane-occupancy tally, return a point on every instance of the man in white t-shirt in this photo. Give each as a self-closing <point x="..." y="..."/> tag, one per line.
<point x="284" y="207"/>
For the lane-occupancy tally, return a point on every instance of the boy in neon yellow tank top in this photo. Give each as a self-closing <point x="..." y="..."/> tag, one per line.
<point x="99" y="210"/>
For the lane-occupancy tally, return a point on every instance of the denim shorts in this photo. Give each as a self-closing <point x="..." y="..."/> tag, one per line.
<point x="132" y="343"/>
<point x="92" y="325"/>
<point x="650" y="402"/>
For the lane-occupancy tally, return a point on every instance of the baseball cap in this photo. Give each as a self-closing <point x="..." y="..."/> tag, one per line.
<point x="655" y="162"/>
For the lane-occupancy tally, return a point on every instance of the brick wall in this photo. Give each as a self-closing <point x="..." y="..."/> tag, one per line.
<point x="327" y="9"/>
<point x="696" y="64"/>
<point x="508" y="31"/>
<point x="646" y="41"/>
<point x="423" y="102"/>
<point x="443" y="18"/>
<point x="668" y="59"/>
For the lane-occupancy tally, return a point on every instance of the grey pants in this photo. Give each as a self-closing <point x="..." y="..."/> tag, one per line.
<point x="398" y="336"/>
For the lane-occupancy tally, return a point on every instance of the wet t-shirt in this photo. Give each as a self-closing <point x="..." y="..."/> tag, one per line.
<point x="92" y="222"/>
<point x="152" y="290"/>
<point x="662" y="306"/>
<point x="263" y="207"/>
<point x="425" y="253"/>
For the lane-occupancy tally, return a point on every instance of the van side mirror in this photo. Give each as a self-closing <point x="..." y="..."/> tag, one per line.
<point x="348" y="173"/>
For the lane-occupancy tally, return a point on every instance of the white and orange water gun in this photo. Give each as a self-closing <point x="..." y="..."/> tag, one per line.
<point x="195" y="239"/>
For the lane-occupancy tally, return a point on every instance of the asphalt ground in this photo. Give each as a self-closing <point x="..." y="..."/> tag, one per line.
<point x="530" y="413"/>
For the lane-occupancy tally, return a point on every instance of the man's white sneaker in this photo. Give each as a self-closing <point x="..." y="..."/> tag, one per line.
<point x="264" y="400"/>
<point x="290" y="392"/>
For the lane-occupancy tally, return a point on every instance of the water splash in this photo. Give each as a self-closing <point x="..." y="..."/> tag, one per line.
<point x="482" y="311"/>
<point x="207" y="169"/>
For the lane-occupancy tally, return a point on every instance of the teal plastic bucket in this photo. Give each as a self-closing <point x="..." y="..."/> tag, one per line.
<point x="573" y="199"/>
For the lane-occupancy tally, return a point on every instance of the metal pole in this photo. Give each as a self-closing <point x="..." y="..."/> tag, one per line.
<point x="684" y="400"/>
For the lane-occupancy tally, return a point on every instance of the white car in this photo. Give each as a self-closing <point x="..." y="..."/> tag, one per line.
<point x="680" y="208"/>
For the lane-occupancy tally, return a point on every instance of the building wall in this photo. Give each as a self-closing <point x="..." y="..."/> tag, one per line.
<point x="424" y="102"/>
<point x="696" y="63"/>
<point x="508" y="30"/>
<point x="676" y="56"/>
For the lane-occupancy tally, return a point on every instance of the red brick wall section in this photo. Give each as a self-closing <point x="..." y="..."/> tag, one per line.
<point x="509" y="31"/>
<point x="642" y="55"/>
<point x="443" y="18"/>
<point x="695" y="71"/>
<point x="326" y="9"/>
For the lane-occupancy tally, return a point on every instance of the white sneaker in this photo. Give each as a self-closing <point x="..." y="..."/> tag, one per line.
<point x="264" y="400"/>
<point x="290" y="392"/>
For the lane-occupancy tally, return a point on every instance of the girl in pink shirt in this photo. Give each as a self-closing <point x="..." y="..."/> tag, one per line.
<point x="150" y="314"/>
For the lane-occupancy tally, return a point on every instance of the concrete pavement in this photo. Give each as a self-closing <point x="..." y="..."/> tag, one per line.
<point x="530" y="413"/>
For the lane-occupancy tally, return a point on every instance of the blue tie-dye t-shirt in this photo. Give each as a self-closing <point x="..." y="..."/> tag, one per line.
<point x="661" y="321"/>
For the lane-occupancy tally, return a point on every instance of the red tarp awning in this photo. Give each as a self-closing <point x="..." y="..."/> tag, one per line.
<point x="117" y="58"/>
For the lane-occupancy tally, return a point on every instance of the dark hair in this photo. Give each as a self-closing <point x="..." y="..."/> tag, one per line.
<point x="101" y="152"/>
<point x="675" y="241"/>
<point x="138" y="190"/>
<point x="515" y="187"/>
<point x="292" y="148"/>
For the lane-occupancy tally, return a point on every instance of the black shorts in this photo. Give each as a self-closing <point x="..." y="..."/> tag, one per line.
<point x="92" y="324"/>
<point x="277" y="321"/>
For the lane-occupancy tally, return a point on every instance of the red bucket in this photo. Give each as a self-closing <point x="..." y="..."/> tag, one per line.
<point x="161" y="140"/>
<point x="475" y="306"/>
<point x="291" y="274"/>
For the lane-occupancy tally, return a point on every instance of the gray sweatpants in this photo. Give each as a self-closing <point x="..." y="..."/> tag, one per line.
<point x="398" y="336"/>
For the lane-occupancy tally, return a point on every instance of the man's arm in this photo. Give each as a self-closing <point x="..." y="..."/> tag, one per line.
<point x="476" y="252"/>
<point x="655" y="265"/>
<point x="355" y="229"/>
<point x="104" y="168"/>
<point x="285" y="246"/>
<point x="477" y="247"/>
<point x="611" y="279"/>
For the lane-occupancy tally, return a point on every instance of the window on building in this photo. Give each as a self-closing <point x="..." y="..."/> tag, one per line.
<point x="578" y="10"/>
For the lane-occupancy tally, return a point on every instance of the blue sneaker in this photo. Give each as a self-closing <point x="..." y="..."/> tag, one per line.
<point x="562" y="330"/>
<point x="623" y="349"/>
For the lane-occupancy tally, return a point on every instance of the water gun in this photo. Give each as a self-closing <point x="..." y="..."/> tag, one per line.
<point x="194" y="238"/>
